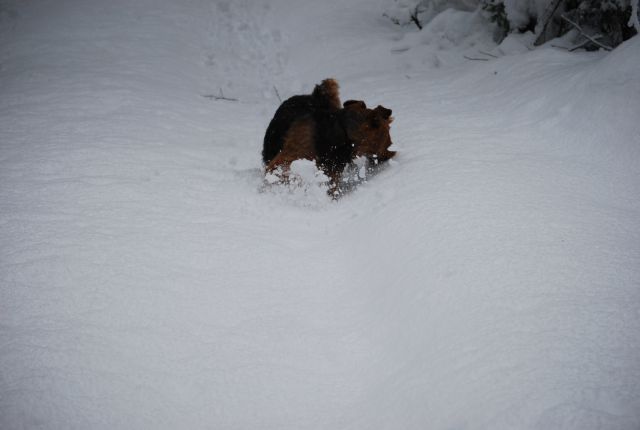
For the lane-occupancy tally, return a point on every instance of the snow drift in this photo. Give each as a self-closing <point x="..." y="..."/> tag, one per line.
<point x="487" y="279"/>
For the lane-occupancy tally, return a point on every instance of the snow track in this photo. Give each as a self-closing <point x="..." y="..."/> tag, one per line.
<point x="487" y="279"/>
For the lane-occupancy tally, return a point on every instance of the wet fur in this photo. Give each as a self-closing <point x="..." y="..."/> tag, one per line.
<point x="316" y="127"/>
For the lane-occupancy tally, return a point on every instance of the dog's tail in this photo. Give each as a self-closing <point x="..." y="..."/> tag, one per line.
<point x="329" y="92"/>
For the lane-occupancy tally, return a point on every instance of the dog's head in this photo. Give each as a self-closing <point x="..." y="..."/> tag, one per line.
<point x="368" y="129"/>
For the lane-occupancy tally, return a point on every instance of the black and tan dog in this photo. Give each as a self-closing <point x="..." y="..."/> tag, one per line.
<point x="316" y="127"/>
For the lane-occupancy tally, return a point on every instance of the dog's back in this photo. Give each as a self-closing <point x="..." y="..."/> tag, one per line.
<point x="322" y="102"/>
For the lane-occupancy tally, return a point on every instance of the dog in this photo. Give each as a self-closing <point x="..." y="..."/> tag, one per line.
<point x="317" y="127"/>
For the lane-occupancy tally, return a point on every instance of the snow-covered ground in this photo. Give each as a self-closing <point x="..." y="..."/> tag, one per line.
<point x="489" y="278"/>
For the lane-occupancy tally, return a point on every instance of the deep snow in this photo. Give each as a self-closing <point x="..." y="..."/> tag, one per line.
<point x="487" y="279"/>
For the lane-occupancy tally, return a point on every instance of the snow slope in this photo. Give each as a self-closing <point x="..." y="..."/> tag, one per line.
<point x="487" y="279"/>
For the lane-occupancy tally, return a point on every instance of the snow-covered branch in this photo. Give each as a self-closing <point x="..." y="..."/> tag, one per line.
<point x="582" y="32"/>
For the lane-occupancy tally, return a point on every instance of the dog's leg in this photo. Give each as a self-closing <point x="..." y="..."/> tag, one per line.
<point x="298" y="145"/>
<point x="334" y="190"/>
<point x="278" y="168"/>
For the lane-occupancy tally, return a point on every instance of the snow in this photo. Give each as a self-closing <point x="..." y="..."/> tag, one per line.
<point x="487" y="278"/>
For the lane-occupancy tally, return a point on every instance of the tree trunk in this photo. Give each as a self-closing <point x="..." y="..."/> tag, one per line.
<point x="542" y="35"/>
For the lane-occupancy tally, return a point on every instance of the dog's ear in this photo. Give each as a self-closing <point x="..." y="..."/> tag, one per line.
<point x="383" y="112"/>
<point x="354" y="104"/>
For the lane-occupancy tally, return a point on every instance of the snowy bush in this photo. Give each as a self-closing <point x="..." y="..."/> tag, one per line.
<point x="497" y="14"/>
<point x="597" y="23"/>
<point x="610" y="18"/>
<point x="420" y="12"/>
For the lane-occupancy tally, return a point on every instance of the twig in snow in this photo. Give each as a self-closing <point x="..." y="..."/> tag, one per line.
<point x="488" y="54"/>
<point x="578" y="46"/>
<point x="219" y="97"/>
<point x="591" y="38"/>
<point x="476" y="59"/>
<point x="277" y="94"/>
<point x="586" y="42"/>
<point x="396" y="21"/>
<point x="414" y="17"/>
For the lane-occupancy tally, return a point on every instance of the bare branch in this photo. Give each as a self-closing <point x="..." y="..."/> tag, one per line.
<point x="476" y="59"/>
<point x="219" y="97"/>
<point x="583" y="44"/>
<point x="591" y="38"/>
<point x="576" y="47"/>
<point x="488" y="54"/>
<point x="394" y="20"/>
<point x="414" y="18"/>
<point x="277" y="94"/>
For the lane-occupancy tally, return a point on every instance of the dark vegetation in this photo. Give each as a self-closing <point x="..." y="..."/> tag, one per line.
<point x="595" y="24"/>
